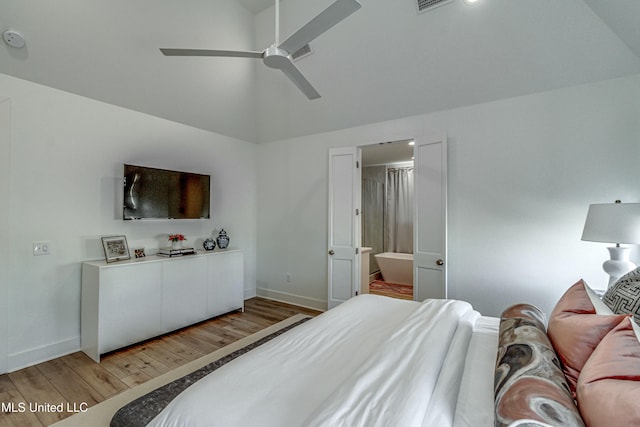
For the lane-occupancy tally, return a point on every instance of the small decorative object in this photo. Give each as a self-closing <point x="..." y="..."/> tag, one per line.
<point x="139" y="252"/>
<point x="223" y="239"/>
<point x="209" y="244"/>
<point x="176" y="240"/>
<point x="115" y="248"/>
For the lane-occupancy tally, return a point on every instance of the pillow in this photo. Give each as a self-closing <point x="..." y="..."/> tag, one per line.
<point x="598" y="304"/>
<point x="609" y="385"/>
<point x="623" y="297"/>
<point x="530" y="389"/>
<point x="575" y="329"/>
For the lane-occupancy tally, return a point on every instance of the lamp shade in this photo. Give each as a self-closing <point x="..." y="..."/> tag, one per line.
<point x="613" y="223"/>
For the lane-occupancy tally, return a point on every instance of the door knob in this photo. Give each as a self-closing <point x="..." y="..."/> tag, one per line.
<point x="439" y="262"/>
<point x="331" y="252"/>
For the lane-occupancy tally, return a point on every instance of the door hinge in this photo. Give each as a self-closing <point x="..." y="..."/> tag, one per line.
<point x="357" y="211"/>
<point x="357" y="251"/>
<point x="356" y="293"/>
<point x="357" y="164"/>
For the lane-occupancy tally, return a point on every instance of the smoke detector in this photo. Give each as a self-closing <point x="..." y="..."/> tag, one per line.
<point x="13" y="38"/>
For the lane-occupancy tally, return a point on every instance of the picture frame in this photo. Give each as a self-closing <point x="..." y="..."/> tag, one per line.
<point x="115" y="248"/>
<point x="139" y="252"/>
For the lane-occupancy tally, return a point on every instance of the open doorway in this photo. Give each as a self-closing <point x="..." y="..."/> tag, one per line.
<point x="387" y="218"/>
<point x="344" y="261"/>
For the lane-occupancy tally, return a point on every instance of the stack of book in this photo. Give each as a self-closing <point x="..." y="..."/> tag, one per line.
<point x="169" y="252"/>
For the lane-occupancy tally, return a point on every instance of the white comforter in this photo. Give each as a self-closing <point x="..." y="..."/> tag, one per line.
<point x="372" y="361"/>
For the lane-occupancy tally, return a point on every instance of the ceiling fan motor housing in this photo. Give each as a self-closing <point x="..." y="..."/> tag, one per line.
<point x="275" y="57"/>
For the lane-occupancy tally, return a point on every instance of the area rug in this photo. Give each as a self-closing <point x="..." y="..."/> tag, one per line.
<point x="395" y="290"/>
<point x="179" y="378"/>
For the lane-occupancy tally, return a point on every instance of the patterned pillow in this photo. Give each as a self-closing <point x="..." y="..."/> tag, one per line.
<point x="609" y="385"/>
<point x="623" y="297"/>
<point x="575" y="330"/>
<point x="530" y="389"/>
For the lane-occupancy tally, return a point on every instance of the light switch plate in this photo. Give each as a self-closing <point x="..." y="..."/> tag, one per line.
<point x="42" y="248"/>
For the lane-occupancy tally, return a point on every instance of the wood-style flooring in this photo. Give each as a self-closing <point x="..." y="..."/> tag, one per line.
<point x="393" y="290"/>
<point x="72" y="382"/>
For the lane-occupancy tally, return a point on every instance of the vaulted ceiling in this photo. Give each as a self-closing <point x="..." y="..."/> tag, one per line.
<point x="384" y="62"/>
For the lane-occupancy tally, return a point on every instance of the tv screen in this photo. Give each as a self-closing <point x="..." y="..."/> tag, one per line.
<point x="151" y="193"/>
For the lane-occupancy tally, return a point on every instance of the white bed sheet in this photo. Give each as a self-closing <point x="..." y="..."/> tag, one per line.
<point x="352" y="366"/>
<point x="475" y="400"/>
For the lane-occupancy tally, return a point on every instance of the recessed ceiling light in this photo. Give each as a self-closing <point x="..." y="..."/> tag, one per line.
<point x="471" y="2"/>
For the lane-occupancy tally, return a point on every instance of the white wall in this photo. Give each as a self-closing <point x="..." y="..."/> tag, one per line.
<point x="65" y="178"/>
<point x="522" y="173"/>
<point x="5" y="179"/>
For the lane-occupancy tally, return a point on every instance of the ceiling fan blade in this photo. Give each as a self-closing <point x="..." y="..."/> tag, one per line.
<point x="291" y="71"/>
<point x="332" y="15"/>
<point x="208" y="52"/>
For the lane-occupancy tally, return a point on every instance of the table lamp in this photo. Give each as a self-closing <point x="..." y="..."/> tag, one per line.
<point x="614" y="223"/>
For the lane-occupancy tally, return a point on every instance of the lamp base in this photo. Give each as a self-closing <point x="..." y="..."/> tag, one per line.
<point x="619" y="263"/>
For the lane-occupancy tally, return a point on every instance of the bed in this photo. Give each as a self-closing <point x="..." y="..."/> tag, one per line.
<point x="370" y="361"/>
<point x="378" y="361"/>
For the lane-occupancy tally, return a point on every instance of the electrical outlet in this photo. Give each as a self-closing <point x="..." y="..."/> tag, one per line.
<point x="42" y="248"/>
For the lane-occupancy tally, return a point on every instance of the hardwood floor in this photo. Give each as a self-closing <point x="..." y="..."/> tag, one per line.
<point x="75" y="381"/>
<point x="393" y="290"/>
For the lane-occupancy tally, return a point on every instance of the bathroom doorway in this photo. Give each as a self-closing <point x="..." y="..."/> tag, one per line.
<point x="387" y="217"/>
<point x="345" y="263"/>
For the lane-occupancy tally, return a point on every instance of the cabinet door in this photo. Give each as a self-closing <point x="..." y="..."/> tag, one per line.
<point x="129" y="304"/>
<point x="184" y="292"/>
<point x="226" y="283"/>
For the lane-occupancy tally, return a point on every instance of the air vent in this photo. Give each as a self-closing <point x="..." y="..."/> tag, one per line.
<point x="302" y="52"/>
<point x="425" y="5"/>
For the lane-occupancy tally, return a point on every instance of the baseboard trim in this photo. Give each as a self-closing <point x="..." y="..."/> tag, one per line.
<point x="24" y="359"/>
<point x="286" y="297"/>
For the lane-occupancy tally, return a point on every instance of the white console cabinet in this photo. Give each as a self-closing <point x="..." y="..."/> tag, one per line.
<point x="130" y="301"/>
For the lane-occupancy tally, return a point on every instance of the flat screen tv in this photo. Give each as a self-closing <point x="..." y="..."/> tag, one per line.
<point x="151" y="193"/>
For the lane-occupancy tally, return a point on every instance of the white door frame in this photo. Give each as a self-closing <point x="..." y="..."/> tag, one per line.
<point x="430" y="269"/>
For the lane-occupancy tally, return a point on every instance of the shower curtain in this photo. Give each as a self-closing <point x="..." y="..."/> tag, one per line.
<point x="373" y="219"/>
<point x="399" y="210"/>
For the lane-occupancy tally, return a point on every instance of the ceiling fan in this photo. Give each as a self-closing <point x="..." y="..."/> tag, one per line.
<point x="279" y="55"/>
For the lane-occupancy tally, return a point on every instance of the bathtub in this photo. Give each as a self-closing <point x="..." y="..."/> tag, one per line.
<point x="396" y="267"/>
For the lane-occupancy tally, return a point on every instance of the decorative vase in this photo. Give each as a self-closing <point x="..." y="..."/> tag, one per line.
<point x="209" y="244"/>
<point x="176" y="244"/>
<point x="223" y="239"/>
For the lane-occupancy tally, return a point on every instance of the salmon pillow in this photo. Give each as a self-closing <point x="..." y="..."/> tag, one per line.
<point x="576" y="328"/>
<point x="609" y="385"/>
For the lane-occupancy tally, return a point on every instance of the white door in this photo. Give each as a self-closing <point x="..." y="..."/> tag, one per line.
<point x="344" y="224"/>
<point x="430" y="220"/>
